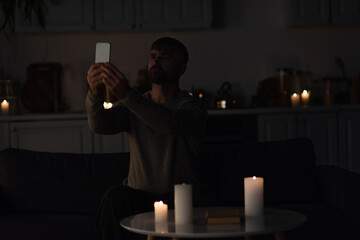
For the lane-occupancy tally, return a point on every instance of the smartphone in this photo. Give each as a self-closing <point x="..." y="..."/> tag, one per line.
<point x="102" y="52"/>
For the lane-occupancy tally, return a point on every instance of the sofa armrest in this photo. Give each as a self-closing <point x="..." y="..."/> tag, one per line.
<point x="340" y="188"/>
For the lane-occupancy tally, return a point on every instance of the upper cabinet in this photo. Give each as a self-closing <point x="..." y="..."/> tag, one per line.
<point x="322" y="12"/>
<point x="345" y="11"/>
<point x="67" y="15"/>
<point x="122" y="15"/>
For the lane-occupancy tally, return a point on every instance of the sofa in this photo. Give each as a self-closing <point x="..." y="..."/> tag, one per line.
<point x="54" y="196"/>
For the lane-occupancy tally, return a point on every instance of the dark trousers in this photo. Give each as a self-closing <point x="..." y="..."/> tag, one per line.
<point x="122" y="201"/>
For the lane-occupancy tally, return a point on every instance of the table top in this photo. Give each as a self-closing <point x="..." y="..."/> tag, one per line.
<point x="273" y="220"/>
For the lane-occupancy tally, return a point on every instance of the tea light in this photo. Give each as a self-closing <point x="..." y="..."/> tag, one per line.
<point x="183" y="204"/>
<point x="295" y="100"/>
<point x="254" y="196"/>
<point x="305" y="97"/>
<point x="4" y="107"/>
<point x="161" y="211"/>
<point x="107" y="105"/>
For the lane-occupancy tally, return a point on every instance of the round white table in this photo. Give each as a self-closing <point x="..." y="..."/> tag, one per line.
<point x="274" y="221"/>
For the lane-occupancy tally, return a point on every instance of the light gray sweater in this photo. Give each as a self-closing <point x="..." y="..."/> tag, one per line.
<point x="165" y="139"/>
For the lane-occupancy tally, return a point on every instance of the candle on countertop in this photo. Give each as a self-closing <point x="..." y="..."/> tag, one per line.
<point x="305" y="97"/>
<point x="295" y="100"/>
<point x="183" y="204"/>
<point x="4" y="107"/>
<point x="254" y="196"/>
<point x="161" y="211"/>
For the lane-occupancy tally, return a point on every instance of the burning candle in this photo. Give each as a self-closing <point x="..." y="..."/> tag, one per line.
<point x="254" y="196"/>
<point x="4" y="107"/>
<point x="305" y="97"/>
<point x="161" y="211"/>
<point x="183" y="204"/>
<point x="107" y="105"/>
<point x="295" y="100"/>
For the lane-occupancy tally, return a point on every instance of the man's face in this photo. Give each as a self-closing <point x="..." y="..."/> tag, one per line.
<point x="164" y="66"/>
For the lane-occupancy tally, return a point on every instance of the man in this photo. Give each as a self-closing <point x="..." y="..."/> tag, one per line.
<point x="164" y="128"/>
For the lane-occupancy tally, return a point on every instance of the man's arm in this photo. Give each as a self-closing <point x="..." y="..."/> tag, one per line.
<point x="189" y="119"/>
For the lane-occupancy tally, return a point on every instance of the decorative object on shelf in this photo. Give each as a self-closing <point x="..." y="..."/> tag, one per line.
<point x="29" y="8"/>
<point x="224" y="99"/>
<point x="41" y="92"/>
<point x="305" y="98"/>
<point x="8" y="97"/>
<point x="295" y="100"/>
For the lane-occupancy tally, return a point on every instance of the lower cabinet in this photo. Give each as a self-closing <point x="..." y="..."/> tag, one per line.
<point x="52" y="136"/>
<point x="320" y="127"/>
<point x="349" y="140"/>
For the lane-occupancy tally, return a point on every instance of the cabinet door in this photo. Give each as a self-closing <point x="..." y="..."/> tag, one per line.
<point x="52" y="136"/>
<point x="321" y="128"/>
<point x="345" y="11"/>
<point x="67" y="15"/>
<point x="272" y="127"/>
<point x="349" y="131"/>
<point x="308" y="12"/>
<point x="154" y="14"/>
<point x="111" y="143"/>
<point x="4" y="135"/>
<point x="193" y="14"/>
<point x="114" y="14"/>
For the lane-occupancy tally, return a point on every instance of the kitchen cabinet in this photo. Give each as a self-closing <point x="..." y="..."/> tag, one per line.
<point x="51" y="136"/>
<point x="71" y="15"/>
<point x="320" y="127"/>
<point x="155" y="14"/>
<point x="57" y="133"/>
<point x="68" y="15"/>
<point x="349" y="139"/>
<point x="322" y="12"/>
<point x="345" y="11"/>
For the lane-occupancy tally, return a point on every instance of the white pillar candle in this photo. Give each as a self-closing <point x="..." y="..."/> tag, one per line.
<point x="183" y="204"/>
<point x="254" y="196"/>
<point x="161" y="211"/>
<point x="305" y="97"/>
<point x="295" y="100"/>
<point x="4" y="107"/>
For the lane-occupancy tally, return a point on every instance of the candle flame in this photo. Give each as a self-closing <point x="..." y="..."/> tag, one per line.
<point x="305" y="92"/>
<point x="4" y="102"/>
<point x="107" y="105"/>
<point x="294" y="94"/>
<point x="254" y="177"/>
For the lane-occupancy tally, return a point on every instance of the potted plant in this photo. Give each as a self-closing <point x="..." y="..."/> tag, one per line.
<point x="30" y="8"/>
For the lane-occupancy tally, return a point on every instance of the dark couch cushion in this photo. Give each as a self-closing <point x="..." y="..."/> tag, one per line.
<point x="48" y="226"/>
<point x="62" y="182"/>
<point x="288" y="168"/>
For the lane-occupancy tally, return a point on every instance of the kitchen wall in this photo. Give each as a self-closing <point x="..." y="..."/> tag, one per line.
<point x="250" y="41"/>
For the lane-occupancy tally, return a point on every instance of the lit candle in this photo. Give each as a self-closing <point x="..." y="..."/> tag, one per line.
<point x="183" y="204"/>
<point x="4" y="107"/>
<point x="295" y="100"/>
<point x="107" y="105"/>
<point x="161" y="211"/>
<point x="305" y="97"/>
<point x="254" y="196"/>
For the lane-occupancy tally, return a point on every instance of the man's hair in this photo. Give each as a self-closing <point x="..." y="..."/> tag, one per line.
<point x="173" y="45"/>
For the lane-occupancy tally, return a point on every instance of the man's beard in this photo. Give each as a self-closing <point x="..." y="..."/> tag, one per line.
<point x="157" y="75"/>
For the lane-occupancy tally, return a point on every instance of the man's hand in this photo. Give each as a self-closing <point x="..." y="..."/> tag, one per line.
<point x="114" y="80"/>
<point x="95" y="80"/>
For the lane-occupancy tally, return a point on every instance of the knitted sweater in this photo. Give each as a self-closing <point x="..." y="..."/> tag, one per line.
<point x="164" y="139"/>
